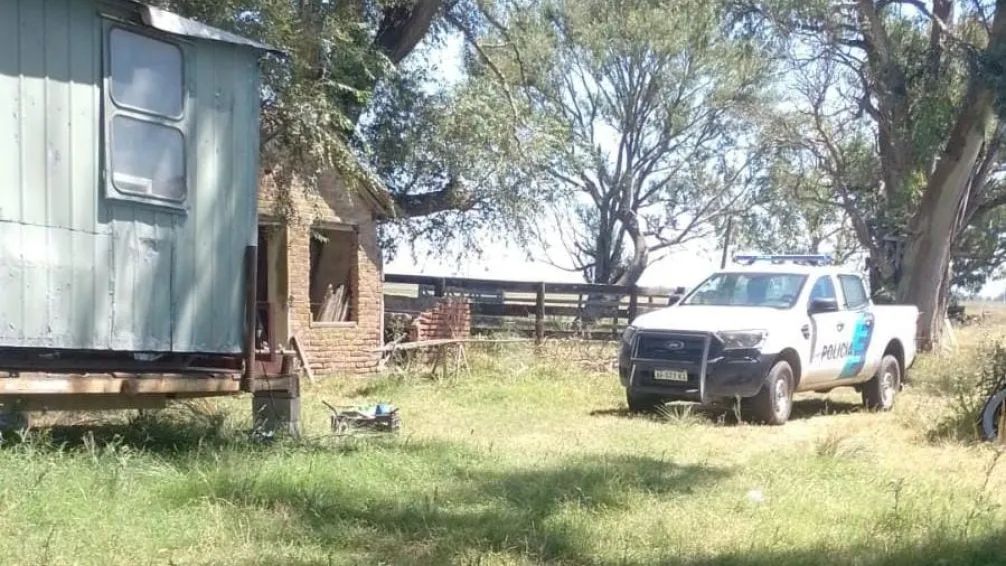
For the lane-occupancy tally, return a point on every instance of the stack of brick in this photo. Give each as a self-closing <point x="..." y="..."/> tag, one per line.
<point x="447" y="318"/>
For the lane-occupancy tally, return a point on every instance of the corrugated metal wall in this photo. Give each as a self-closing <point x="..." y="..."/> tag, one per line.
<point x="80" y="271"/>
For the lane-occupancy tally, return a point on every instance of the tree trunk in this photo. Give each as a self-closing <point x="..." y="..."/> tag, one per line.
<point x="943" y="302"/>
<point x="403" y="26"/>
<point x="400" y="30"/>
<point x="927" y="253"/>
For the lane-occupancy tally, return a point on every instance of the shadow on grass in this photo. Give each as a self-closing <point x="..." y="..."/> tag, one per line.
<point x="986" y="550"/>
<point x="807" y="408"/>
<point x="440" y="503"/>
<point x="802" y="409"/>
<point x="469" y="510"/>
<point x="177" y="430"/>
<point x="621" y="412"/>
<point x="381" y="386"/>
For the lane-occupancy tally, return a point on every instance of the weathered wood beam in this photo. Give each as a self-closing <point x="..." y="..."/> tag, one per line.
<point x="134" y="385"/>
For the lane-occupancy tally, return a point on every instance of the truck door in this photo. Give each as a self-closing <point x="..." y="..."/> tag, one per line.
<point x="860" y="362"/>
<point x="827" y="327"/>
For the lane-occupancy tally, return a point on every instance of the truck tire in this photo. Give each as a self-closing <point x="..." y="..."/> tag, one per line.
<point x="878" y="393"/>
<point x="988" y="419"/>
<point x="641" y="402"/>
<point x="774" y="402"/>
<point x="13" y="421"/>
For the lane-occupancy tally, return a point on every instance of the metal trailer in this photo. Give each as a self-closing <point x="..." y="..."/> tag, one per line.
<point x="129" y="152"/>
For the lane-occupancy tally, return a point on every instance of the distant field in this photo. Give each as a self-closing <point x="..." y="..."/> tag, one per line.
<point x="529" y="459"/>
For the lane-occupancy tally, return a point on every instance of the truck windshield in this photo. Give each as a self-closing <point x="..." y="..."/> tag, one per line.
<point x="777" y="290"/>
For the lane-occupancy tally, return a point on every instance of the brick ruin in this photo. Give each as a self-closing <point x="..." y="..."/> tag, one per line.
<point x="324" y="274"/>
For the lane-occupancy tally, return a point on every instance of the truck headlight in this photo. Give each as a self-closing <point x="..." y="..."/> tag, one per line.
<point x="627" y="335"/>
<point x="625" y="348"/>
<point x="743" y="339"/>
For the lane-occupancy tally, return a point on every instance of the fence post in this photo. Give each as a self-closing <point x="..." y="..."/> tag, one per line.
<point x="633" y="303"/>
<point x="539" y="315"/>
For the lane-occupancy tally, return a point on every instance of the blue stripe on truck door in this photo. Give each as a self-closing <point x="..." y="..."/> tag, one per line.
<point x="861" y="335"/>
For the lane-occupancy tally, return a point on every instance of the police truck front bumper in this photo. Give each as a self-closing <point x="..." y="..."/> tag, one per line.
<point x="690" y="366"/>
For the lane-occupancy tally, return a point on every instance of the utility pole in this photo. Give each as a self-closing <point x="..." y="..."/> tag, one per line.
<point x="726" y="242"/>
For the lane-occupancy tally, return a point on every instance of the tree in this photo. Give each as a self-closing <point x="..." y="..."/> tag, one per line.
<point x="464" y="141"/>
<point x="980" y="252"/>
<point x="646" y="112"/>
<point x="923" y="79"/>
<point x="797" y="212"/>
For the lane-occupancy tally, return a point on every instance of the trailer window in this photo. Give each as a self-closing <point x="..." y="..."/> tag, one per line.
<point x="146" y="73"/>
<point x="146" y="91"/>
<point x="148" y="158"/>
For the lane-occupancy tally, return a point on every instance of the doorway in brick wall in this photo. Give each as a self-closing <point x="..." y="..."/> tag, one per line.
<point x="273" y="331"/>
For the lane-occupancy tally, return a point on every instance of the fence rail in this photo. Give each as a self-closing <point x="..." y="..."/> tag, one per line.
<point x="538" y="309"/>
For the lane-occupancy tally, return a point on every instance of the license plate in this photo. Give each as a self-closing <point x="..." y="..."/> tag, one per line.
<point x="670" y="375"/>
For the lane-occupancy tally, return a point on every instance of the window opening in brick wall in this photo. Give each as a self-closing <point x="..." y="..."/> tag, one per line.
<point x="333" y="275"/>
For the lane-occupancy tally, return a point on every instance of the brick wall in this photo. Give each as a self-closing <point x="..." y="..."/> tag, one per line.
<point x="335" y="347"/>
<point x="448" y="318"/>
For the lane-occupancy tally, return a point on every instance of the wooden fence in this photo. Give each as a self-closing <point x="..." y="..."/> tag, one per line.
<point x="529" y="308"/>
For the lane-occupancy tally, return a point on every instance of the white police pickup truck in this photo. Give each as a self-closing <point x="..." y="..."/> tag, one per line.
<point x="767" y="328"/>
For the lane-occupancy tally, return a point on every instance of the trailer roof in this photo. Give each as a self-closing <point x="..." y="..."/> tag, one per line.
<point x="170" y="22"/>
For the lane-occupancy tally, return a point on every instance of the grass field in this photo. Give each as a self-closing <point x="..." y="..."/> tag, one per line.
<point x="524" y="461"/>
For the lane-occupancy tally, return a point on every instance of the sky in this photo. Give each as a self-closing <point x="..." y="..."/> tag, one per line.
<point x="687" y="266"/>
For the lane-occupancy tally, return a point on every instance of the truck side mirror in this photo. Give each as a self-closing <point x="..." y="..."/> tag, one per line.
<point x="822" y="305"/>
<point x="673" y="300"/>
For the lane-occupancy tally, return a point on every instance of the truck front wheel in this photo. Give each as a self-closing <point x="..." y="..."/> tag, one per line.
<point x="878" y="393"/>
<point x="774" y="402"/>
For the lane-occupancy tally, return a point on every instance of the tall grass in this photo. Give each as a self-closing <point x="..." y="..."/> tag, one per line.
<point x="521" y="457"/>
<point x="962" y="383"/>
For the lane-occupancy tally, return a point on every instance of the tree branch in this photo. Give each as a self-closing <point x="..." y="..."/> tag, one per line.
<point x="452" y="197"/>
<point x="403" y="25"/>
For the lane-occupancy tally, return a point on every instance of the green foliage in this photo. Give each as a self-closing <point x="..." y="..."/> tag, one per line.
<point x="641" y="127"/>
<point x="310" y="96"/>
<point x="798" y="208"/>
<point x="462" y="141"/>
<point x="338" y="101"/>
<point x="980" y="252"/>
<point x="876" y="104"/>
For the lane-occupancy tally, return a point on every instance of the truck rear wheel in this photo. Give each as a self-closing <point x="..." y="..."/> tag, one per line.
<point x="641" y="402"/>
<point x="991" y="416"/>
<point x="878" y="393"/>
<point x="774" y="402"/>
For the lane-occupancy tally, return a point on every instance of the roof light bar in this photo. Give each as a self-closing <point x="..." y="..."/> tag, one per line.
<point x="805" y="259"/>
